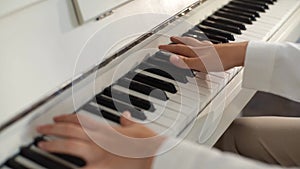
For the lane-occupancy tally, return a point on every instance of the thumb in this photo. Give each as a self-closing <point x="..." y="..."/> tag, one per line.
<point x="126" y="119"/>
<point x="187" y="63"/>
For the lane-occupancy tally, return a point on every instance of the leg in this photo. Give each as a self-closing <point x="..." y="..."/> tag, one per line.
<point x="274" y="140"/>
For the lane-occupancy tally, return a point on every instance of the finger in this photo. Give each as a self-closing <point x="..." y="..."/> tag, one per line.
<point x="187" y="63"/>
<point x="179" y="49"/>
<point x="73" y="147"/>
<point x="186" y="41"/>
<point x="77" y="119"/>
<point x="67" y="130"/>
<point x="97" y="166"/>
<point x="190" y="41"/>
<point x="126" y="119"/>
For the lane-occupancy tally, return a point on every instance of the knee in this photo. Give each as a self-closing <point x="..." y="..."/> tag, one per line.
<point x="240" y="132"/>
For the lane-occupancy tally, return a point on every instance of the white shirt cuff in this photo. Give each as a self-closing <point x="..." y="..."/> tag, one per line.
<point x="259" y="62"/>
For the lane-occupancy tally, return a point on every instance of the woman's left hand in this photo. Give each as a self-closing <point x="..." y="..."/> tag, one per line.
<point x="83" y="137"/>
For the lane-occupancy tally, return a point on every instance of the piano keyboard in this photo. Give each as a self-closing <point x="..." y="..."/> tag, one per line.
<point x="156" y="86"/>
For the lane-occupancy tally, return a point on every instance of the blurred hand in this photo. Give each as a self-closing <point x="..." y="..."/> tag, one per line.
<point x="83" y="137"/>
<point x="204" y="56"/>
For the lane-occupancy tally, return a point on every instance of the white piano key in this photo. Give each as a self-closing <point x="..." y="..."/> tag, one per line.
<point x="214" y="79"/>
<point x="238" y="39"/>
<point x="160" y="130"/>
<point x="262" y="27"/>
<point x="172" y="114"/>
<point x="28" y="163"/>
<point x="249" y="38"/>
<point x="5" y="167"/>
<point x="231" y="73"/>
<point x="251" y="35"/>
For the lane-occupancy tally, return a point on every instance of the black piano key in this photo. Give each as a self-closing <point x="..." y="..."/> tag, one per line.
<point x="221" y="26"/>
<point x="242" y="19"/>
<point x="200" y="38"/>
<point x="142" y="88"/>
<point x="151" y="81"/>
<point x="169" y="67"/>
<point x="250" y="6"/>
<point x="227" y="21"/>
<point x="129" y="99"/>
<point x="119" y="106"/>
<point x="209" y="37"/>
<point x="271" y="2"/>
<point x="161" y="55"/>
<point x="252" y="16"/>
<point x="217" y="38"/>
<point x="237" y="8"/>
<point x="215" y="41"/>
<point x="12" y="163"/>
<point x="160" y="71"/>
<point x="258" y="3"/>
<point x="206" y="29"/>
<point x="105" y="114"/>
<point x="198" y="33"/>
<point x="41" y="159"/>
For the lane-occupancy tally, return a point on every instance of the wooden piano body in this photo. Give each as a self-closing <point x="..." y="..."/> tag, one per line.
<point x="43" y="71"/>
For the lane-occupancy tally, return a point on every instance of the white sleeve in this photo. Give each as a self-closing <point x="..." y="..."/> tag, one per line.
<point x="273" y="68"/>
<point x="188" y="155"/>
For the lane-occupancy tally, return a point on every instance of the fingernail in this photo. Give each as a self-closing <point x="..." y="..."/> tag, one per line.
<point x="126" y="114"/>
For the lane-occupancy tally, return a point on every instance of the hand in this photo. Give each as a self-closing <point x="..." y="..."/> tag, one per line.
<point x="203" y="56"/>
<point x="82" y="136"/>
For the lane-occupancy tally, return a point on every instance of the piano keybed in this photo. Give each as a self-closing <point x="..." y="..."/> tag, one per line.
<point x="237" y="20"/>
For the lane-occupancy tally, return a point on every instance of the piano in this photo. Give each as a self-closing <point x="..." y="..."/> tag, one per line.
<point x="118" y="66"/>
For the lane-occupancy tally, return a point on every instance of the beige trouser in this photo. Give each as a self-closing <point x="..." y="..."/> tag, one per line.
<point x="274" y="140"/>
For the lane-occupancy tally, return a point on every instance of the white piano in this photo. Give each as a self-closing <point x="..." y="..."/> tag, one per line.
<point x="66" y="56"/>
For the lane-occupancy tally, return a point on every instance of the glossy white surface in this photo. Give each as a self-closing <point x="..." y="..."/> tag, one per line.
<point x="10" y="6"/>
<point x="41" y="43"/>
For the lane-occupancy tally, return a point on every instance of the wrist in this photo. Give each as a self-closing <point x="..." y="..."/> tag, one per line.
<point x="232" y="54"/>
<point x="239" y="54"/>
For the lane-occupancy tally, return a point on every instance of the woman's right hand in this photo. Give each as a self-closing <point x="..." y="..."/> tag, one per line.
<point x="204" y="56"/>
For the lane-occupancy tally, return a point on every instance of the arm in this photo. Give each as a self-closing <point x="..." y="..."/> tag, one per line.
<point x="269" y="67"/>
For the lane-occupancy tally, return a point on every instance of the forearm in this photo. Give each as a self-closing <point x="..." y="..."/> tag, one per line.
<point x="232" y="54"/>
